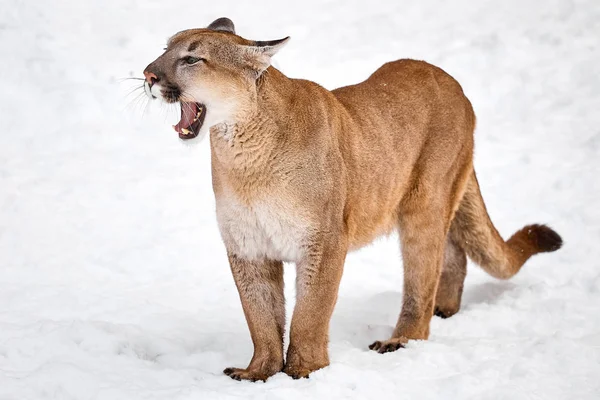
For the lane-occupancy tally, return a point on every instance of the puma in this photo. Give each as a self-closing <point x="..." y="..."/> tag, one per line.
<point x="303" y="175"/>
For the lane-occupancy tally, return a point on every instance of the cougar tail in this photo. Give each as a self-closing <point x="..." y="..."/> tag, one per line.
<point x="473" y="230"/>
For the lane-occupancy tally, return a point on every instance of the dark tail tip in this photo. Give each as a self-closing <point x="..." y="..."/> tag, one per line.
<point x="543" y="237"/>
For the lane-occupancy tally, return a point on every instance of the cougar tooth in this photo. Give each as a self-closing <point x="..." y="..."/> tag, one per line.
<point x="185" y="131"/>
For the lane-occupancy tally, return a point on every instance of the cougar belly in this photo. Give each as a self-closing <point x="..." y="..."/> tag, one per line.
<point x="261" y="229"/>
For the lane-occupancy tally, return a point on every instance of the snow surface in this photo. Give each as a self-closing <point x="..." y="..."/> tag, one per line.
<point x="113" y="278"/>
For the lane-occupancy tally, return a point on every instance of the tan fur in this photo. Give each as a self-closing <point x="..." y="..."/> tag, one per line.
<point x="303" y="174"/>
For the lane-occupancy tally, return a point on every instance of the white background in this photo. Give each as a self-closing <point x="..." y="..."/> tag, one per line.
<point x="113" y="279"/>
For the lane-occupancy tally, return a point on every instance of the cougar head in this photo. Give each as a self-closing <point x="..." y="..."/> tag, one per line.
<point x="212" y="73"/>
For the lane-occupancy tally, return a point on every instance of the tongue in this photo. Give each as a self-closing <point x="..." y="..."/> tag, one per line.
<point x="188" y="113"/>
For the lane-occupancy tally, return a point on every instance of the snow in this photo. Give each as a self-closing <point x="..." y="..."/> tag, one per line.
<point x="114" y="282"/>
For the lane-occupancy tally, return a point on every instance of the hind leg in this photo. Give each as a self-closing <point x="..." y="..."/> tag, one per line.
<point x="423" y="234"/>
<point x="450" y="288"/>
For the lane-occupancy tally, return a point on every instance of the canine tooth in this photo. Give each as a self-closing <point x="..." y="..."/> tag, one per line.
<point x="198" y="114"/>
<point x="185" y="131"/>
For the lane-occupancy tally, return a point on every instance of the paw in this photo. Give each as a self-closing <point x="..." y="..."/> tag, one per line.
<point x="240" y="374"/>
<point x="388" y="346"/>
<point x="297" y="373"/>
<point x="301" y="364"/>
<point x="444" y="313"/>
<point x="301" y="371"/>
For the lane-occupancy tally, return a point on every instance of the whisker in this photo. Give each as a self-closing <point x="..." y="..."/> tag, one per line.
<point x="162" y="110"/>
<point x="132" y="91"/>
<point x="133" y="78"/>
<point x="135" y="97"/>
<point x="145" y="107"/>
<point x="167" y="110"/>
<point x="134" y="103"/>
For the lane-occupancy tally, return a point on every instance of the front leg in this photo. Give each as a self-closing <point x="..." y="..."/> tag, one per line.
<point x="260" y="285"/>
<point x="317" y="283"/>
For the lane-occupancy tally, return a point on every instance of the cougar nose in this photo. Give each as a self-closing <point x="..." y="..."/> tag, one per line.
<point x="151" y="78"/>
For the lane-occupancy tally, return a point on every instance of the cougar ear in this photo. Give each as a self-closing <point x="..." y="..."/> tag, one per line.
<point x="259" y="53"/>
<point x="222" y="24"/>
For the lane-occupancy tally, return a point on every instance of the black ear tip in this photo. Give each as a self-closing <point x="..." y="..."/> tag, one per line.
<point x="270" y="43"/>
<point x="223" y="24"/>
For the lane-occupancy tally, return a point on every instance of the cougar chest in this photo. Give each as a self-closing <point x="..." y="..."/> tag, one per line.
<point x="265" y="228"/>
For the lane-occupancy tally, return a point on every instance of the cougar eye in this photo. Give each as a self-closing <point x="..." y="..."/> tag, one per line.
<point x="192" y="60"/>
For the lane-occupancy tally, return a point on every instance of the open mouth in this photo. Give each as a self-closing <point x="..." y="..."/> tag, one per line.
<point x="192" y="118"/>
